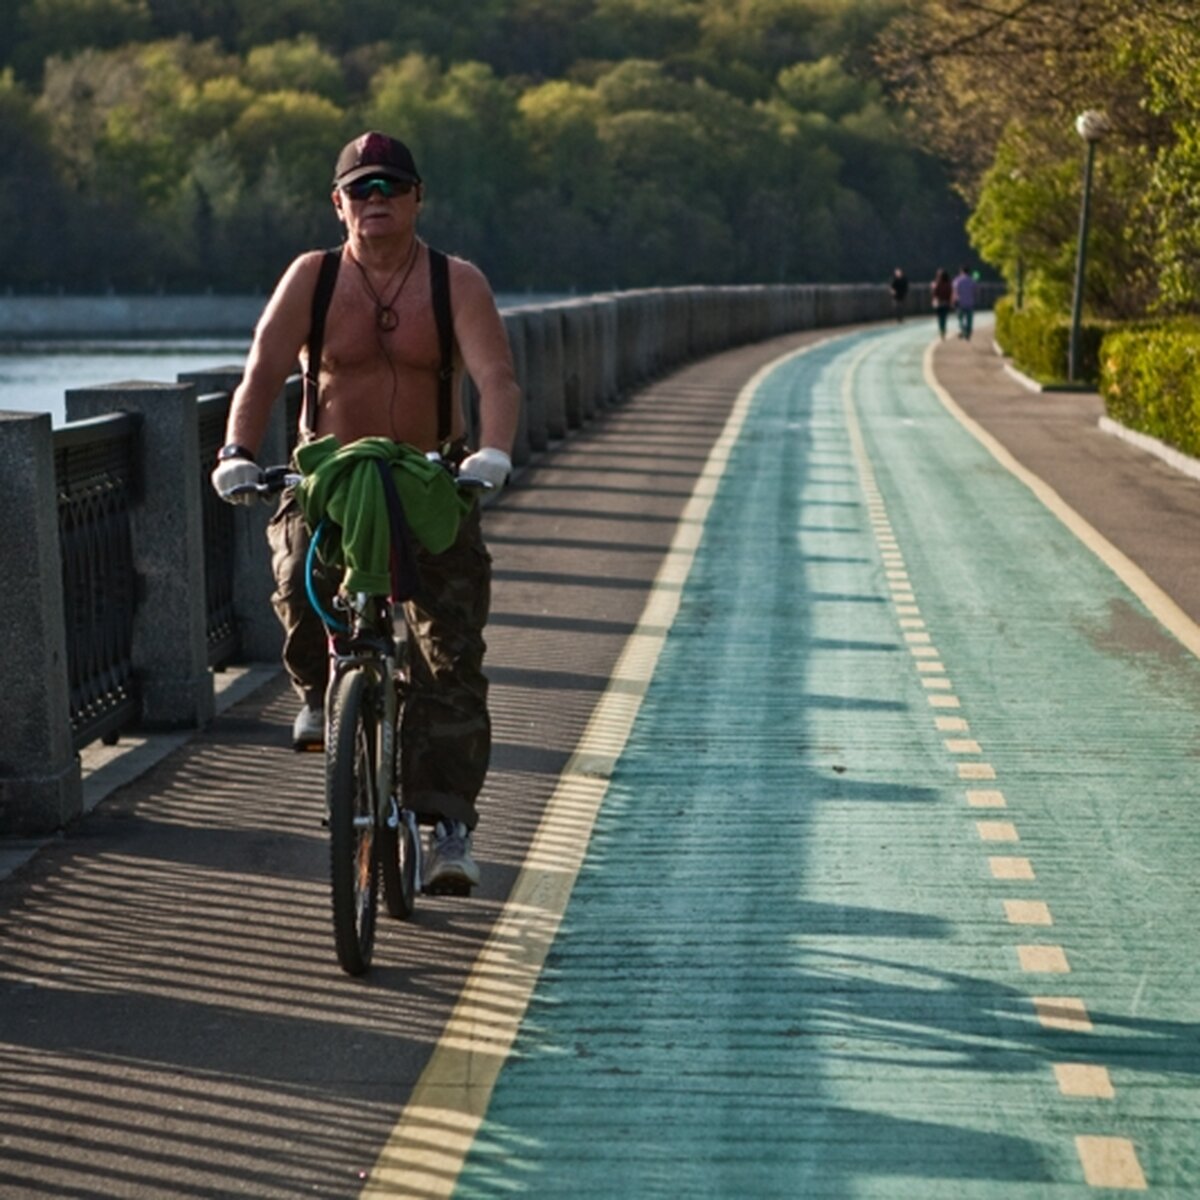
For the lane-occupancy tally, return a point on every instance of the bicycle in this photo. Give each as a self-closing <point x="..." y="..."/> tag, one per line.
<point x="372" y="836"/>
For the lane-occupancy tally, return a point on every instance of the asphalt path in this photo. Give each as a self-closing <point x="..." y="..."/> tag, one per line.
<point x="746" y="927"/>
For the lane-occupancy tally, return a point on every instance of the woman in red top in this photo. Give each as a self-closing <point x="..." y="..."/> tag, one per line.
<point x="942" y="291"/>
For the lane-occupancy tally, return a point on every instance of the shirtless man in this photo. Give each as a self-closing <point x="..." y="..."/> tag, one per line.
<point x="378" y="377"/>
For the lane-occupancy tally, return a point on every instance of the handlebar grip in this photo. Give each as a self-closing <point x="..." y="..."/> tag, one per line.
<point x="273" y="481"/>
<point x="473" y="483"/>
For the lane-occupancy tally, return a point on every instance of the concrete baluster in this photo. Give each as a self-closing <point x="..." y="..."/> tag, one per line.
<point x="260" y="636"/>
<point x="514" y="325"/>
<point x="170" y="654"/>
<point x="552" y="372"/>
<point x="40" y="785"/>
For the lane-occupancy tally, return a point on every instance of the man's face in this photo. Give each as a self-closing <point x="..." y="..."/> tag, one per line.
<point x="377" y="205"/>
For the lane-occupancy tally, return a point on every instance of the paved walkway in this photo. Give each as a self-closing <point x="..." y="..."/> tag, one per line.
<point x="886" y="774"/>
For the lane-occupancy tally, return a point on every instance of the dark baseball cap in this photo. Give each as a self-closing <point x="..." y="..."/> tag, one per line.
<point x="374" y="154"/>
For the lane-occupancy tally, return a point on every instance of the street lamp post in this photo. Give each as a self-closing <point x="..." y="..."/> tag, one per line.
<point x="1091" y="126"/>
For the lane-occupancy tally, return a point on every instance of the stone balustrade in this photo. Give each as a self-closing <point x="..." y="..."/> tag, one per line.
<point x="574" y="360"/>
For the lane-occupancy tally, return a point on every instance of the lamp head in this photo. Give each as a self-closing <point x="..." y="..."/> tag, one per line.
<point x="1092" y="125"/>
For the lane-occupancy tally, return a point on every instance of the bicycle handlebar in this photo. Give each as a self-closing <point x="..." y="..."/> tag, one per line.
<point x="275" y="479"/>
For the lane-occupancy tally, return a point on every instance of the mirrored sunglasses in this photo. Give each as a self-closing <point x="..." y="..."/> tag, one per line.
<point x="387" y="187"/>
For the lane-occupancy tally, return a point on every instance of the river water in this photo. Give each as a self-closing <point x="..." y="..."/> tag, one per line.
<point x="35" y="375"/>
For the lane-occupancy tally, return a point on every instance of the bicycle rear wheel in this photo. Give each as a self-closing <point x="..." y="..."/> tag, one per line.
<point x="354" y="845"/>
<point x="398" y="858"/>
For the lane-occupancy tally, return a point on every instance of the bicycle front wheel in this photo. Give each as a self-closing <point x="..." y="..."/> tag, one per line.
<point x="350" y="781"/>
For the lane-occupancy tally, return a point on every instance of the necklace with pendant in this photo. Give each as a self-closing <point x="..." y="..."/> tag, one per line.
<point x="385" y="314"/>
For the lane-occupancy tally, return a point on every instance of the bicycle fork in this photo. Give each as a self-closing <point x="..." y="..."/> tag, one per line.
<point x="387" y="780"/>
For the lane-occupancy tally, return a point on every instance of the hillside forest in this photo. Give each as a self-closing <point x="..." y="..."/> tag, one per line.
<point x="566" y="144"/>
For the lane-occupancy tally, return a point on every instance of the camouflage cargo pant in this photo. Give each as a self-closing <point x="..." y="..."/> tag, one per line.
<point x="446" y="735"/>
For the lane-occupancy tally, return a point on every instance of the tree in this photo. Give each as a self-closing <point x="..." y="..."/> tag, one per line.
<point x="46" y="28"/>
<point x="34" y="206"/>
<point x="463" y="127"/>
<point x="997" y="87"/>
<point x="297" y="65"/>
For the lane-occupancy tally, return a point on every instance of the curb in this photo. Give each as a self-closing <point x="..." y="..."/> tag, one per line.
<point x="1151" y="445"/>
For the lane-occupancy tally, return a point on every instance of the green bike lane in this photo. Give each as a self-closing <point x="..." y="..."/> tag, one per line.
<point x="889" y="891"/>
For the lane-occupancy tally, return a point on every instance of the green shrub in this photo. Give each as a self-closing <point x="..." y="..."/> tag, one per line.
<point x="1150" y="381"/>
<point x="1038" y="341"/>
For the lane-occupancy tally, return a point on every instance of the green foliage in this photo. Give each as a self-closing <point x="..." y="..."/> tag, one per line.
<point x="998" y="89"/>
<point x="1038" y="341"/>
<point x="564" y="143"/>
<point x="1172" y="203"/>
<point x="825" y="87"/>
<point x="1150" y="381"/>
<point x="34" y="205"/>
<point x="642" y="28"/>
<point x="1026" y="221"/>
<point x="61" y="27"/>
<point x="298" y="65"/>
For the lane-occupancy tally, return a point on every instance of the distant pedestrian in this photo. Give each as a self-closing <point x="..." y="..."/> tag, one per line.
<point x="899" y="286"/>
<point x="942" y="293"/>
<point x="964" y="301"/>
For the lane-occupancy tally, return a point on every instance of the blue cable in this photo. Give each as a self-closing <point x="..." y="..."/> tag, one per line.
<point x="309" y="562"/>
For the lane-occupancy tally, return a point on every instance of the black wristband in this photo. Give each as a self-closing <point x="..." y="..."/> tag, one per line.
<point x="233" y="450"/>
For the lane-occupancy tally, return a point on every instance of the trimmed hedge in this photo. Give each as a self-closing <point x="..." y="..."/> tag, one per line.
<point x="1039" y="341"/>
<point x="1150" y="381"/>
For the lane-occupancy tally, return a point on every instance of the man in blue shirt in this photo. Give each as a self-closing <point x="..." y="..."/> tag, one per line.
<point x="964" y="302"/>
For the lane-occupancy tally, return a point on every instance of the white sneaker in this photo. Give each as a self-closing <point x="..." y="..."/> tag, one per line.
<point x="449" y="868"/>
<point x="308" y="729"/>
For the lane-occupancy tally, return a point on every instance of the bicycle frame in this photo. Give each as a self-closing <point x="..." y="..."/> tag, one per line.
<point x="371" y="644"/>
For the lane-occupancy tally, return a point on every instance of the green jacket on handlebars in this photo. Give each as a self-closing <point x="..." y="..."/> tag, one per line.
<point x="342" y="486"/>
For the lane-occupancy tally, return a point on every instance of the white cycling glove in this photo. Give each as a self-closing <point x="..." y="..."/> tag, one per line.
<point x="232" y="473"/>
<point x="489" y="464"/>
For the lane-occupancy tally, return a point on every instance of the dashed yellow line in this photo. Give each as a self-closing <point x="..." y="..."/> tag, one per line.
<point x="1110" y="1162"/>
<point x="1004" y="866"/>
<point x="1107" y="1162"/>
<point x="1027" y="912"/>
<point x="1045" y="960"/>
<point x="1084" y="1079"/>
<point x="1067" y="1013"/>
<point x="986" y="798"/>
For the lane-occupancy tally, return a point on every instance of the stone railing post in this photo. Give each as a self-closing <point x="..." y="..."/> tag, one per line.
<point x="514" y="325"/>
<point x="260" y="636"/>
<point x="40" y="783"/>
<point x="170" y="653"/>
<point x="553" y="383"/>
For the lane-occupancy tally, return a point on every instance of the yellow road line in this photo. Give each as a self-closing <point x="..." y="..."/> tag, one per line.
<point x="1047" y="960"/>
<point x="1084" y="1079"/>
<point x="1107" y="1162"/>
<point x="1167" y="612"/>
<point x="1062" y="1012"/>
<point x="1110" y="1162"/>
<point x="1004" y="866"/>
<point x="425" y="1153"/>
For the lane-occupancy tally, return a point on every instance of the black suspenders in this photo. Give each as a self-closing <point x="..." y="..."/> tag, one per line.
<point x="439" y="285"/>
<point x="439" y="282"/>
<point x="323" y="293"/>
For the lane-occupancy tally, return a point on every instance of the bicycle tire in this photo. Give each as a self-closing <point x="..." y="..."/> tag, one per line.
<point x="354" y="845"/>
<point x="398" y="860"/>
